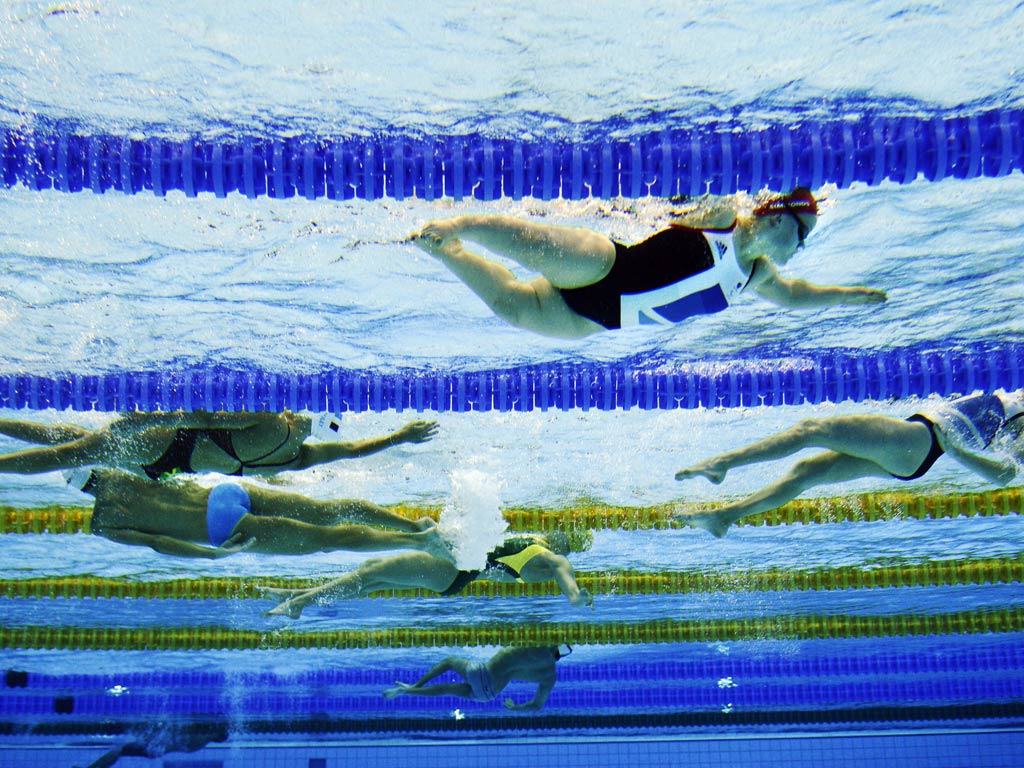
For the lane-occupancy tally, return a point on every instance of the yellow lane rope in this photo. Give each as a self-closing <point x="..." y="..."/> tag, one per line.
<point x="660" y="631"/>
<point x="1009" y="570"/>
<point x="865" y="507"/>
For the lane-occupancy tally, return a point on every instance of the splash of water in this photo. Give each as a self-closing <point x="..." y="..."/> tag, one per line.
<point x="471" y="520"/>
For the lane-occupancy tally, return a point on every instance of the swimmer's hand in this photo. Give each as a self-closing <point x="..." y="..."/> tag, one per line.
<point x="583" y="600"/>
<point x="237" y="542"/>
<point x="416" y="432"/>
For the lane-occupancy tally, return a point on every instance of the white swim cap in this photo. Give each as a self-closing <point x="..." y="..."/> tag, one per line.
<point x="77" y="477"/>
<point x="1013" y="402"/>
<point x="326" y="427"/>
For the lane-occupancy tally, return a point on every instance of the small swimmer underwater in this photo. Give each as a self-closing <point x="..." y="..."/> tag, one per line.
<point x="485" y="680"/>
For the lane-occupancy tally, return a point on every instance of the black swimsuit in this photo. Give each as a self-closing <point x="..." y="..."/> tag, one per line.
<point x="507" y="548"/>
<point x="664" y="258"/>
<point x="933" y="452"/>
<point x="985" y="412"/>
<point x="178" y="456"/>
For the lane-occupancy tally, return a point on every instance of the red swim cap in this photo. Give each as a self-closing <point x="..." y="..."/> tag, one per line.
<point x="800" y="200"/>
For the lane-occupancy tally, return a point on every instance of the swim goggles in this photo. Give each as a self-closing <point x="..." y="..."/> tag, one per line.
<point x="800" y="200"/>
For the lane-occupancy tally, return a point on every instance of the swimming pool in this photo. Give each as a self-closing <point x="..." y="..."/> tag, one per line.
<point x="891" y="631"/>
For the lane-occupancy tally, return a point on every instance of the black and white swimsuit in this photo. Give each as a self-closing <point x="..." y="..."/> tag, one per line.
<point x="178" y="456"/>
<point x="673" y="275"/>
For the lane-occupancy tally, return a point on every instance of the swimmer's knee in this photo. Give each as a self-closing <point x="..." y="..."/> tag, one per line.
<point x="371" y="564"/>
<point x="806" y="470"/>
<point x="814" y="429"/>
<point x="519" y="306"/>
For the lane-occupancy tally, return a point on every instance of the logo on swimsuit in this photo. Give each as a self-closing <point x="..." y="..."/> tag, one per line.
<point x="722" y="248"/>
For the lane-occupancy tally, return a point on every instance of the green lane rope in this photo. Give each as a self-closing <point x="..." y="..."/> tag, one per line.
<point x="867" y="507"/>
<point x="660" y="631"/>
<point x="1007" y="570"/>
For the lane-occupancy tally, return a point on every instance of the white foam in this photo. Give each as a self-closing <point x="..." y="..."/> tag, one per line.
<point x="471" y="520"/>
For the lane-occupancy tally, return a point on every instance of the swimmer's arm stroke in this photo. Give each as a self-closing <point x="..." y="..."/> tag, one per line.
<point x="800" y="294"/>
<point x="312" y="454"/>
<point x="169" y="545"/>
<point x="565" y="577"/>
<point x="538" y="700"/>
<point x="997" y="471"/>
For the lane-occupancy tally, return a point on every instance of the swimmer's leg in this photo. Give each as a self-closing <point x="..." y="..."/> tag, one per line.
<point x="535" y="306"/>
<point x="420" y="687"/>
<point x="409" y="571"/>
<point x="93" y="448"/>
<point x="42" y="434"/>
<point x="276" y="503"/>
<point x="569" y="257"/>
<point x="462" y="690"/>
<point x="825" y="468"/>
<point x="284" y="536"/>
<point x="896" y="445"/>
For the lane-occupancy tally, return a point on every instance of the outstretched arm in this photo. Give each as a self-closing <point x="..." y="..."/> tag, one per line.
<point x="543" y="691"/>
<point x="998" y="471"/>
<point x="800" y="294"/>
<point x="168" y="545"/>
<point x="310" y="455"/>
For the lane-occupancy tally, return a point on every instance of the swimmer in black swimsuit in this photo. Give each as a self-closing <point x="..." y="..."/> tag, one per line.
<point x="589" y="283"/>
<point x="533" y="560"/>
<point x="873" y="446"/>
<point x="162" y="444"/>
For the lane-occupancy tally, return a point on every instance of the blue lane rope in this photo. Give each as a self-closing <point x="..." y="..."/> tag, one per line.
<point x="721" y="158"/>
<point x="768" y="378"/>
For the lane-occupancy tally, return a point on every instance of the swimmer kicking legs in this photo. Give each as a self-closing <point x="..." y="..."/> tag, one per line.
<point x="859" y="446"/>
<point x="564" y="256"/>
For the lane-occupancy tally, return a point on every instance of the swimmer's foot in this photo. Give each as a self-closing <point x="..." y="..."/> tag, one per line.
<point x="290" y="608"/>
<point x="709" y="471"/>
<point x="425" y="523"/>
<point x="398" y="690"/>
<point x="277" y="593"/>
<point x="439" y="230"/>
<point x="439" y="249"/>
<point x="437" y="546"/>
<point x="715" y="522"/>
<point x="291" y="601"/>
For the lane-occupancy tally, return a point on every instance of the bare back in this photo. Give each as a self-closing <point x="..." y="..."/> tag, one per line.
<point x="125" y="501"/>
<point x="531" y="665"/>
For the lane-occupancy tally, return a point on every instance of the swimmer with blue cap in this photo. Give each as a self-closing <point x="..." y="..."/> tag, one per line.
<point x="186" y="519"/>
